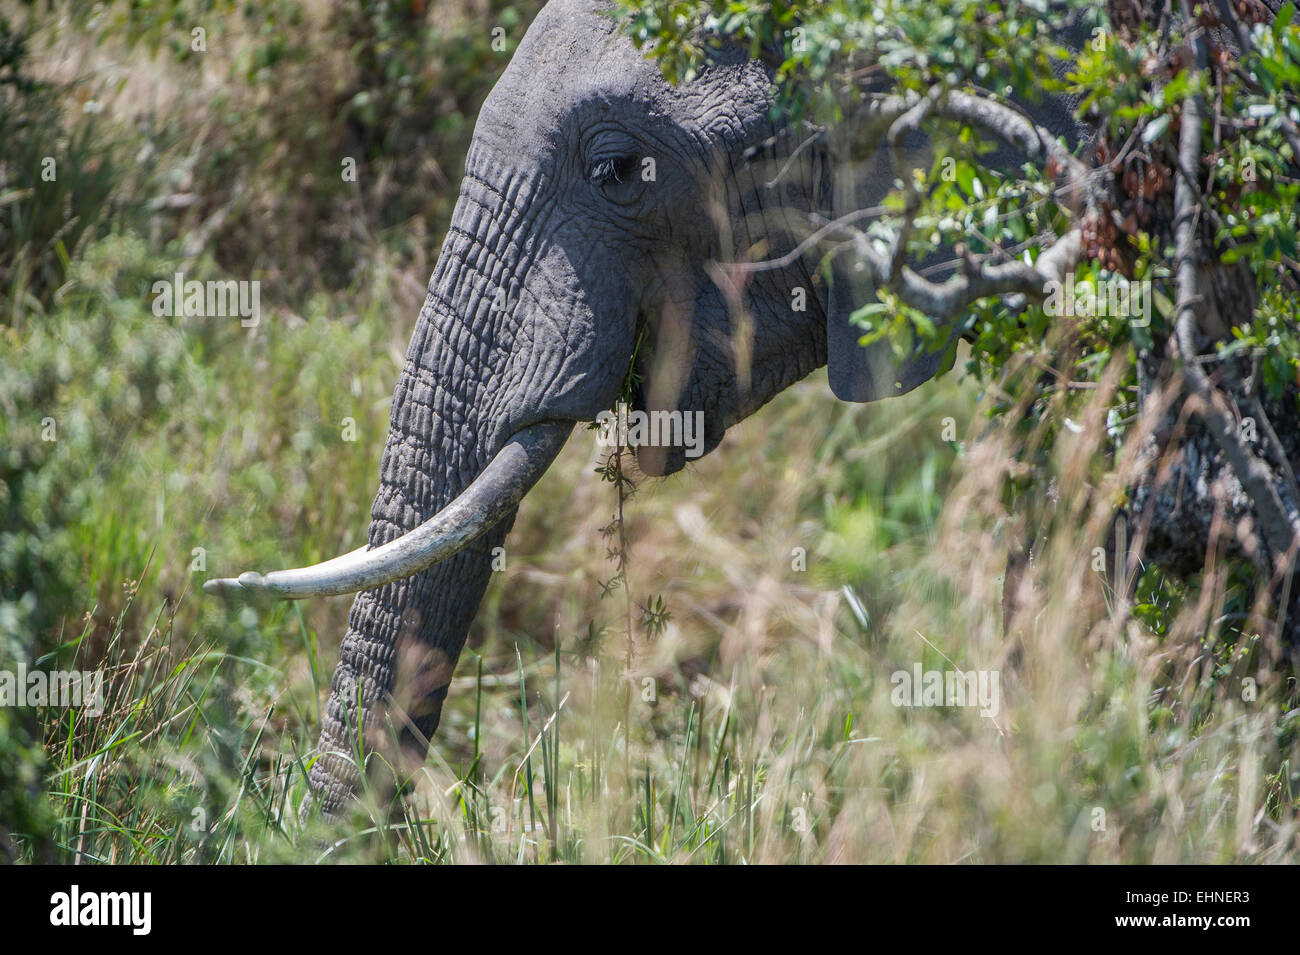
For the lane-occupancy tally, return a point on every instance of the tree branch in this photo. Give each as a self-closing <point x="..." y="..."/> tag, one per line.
<point x="894" y="116"/>
<point x="994" y="117"/>
<point x="1279" y="520"/>
<point x="953" y="296"/>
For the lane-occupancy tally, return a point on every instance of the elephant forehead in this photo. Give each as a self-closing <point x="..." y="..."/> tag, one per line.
<point x="570" y="57"/>
<point x="574" y="66"/>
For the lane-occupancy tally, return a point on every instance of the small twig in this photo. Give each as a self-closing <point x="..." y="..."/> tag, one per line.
<point x="909" y="122"/>
<point x="785" y="168"/>
<point x="785" y="261"/>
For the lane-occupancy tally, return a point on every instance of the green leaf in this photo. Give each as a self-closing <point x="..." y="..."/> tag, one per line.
<point x="1156" y="128"/>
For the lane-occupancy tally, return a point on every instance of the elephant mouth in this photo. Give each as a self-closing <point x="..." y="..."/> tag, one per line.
<point x="484" y="503"/>
<point x="653" y="457"/>
<point x="667" y="429"/>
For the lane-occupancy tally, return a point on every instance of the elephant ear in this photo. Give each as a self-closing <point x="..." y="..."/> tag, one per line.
<point x="875" y="371"/>
<point x="869" y="372"/>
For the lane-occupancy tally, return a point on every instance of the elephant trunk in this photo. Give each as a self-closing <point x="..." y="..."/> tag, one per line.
<point x="404" y="637"/>
<point x="458" y="422"/>
<point x="505" y="357"/>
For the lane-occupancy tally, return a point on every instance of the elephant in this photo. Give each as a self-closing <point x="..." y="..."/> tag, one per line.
<point x="598" y="209"/>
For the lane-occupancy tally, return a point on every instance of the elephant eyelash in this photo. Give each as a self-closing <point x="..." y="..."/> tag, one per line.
<point x="611" y="170"/>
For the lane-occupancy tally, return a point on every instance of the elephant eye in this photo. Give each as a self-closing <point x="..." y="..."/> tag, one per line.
<point x="613" y="169"/>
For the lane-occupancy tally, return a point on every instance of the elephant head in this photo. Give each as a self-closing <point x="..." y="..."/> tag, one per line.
<point x="600" y="210"/>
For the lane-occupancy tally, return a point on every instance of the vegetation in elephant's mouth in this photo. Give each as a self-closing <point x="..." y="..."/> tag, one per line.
<point x="632" y="397"/>
<point x="630" y="392"/>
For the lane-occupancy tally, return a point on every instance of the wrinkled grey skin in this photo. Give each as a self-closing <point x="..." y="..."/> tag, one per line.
<point x="583" y="265"/>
